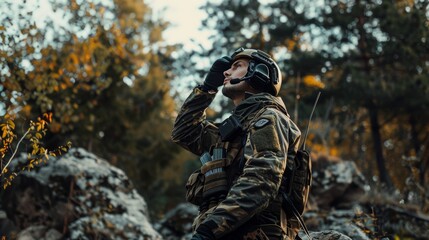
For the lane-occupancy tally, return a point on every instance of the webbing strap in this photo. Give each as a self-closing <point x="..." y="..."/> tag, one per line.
<point x="297" y="215"/>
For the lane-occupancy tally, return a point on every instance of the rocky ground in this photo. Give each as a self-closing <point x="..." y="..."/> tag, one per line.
<point x="80" y="196"/>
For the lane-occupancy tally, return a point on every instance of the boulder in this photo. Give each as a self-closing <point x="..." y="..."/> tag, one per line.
<point x="78" y="196"/>
<point x="337" y="184"/>
<point x="177" y="223"/>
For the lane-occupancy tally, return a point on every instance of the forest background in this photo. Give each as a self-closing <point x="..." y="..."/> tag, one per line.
<point x="114" y="85"/>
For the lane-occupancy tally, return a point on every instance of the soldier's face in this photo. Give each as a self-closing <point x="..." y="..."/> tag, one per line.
<point x="237" y="71"/>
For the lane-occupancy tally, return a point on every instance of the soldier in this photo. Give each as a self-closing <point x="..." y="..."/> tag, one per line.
<point x="245" y="156"/>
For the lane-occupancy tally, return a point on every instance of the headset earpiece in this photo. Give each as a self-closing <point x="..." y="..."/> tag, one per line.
<point x="259" y="76"/>
<point x="263" y="72"/>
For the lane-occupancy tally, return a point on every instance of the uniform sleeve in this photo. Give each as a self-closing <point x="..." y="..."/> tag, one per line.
<point x="258" y="185"/>
<point x="191" y="130"/>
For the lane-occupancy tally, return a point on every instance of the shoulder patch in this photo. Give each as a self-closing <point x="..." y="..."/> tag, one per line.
<point x="261" y="122"/>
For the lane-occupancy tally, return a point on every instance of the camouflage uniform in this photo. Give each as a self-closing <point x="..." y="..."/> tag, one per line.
<point x="271" y="140"/>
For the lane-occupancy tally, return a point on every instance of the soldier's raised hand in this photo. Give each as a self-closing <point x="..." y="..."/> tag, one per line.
<point x="215" y="77"/>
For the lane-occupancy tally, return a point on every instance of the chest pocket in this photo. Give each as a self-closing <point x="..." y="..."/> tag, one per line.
<point x="194" y="188"/>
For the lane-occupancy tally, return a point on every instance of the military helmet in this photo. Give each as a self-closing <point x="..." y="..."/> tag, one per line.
<point x="263" y="72"/>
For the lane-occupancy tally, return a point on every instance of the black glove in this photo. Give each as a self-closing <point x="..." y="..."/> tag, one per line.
<point x="215" y="77"/>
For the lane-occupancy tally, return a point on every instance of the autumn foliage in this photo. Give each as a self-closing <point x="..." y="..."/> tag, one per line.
<point x="37" y="153"/>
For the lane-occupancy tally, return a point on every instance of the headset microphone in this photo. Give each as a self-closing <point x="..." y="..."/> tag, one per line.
<point x="236" y="80"/>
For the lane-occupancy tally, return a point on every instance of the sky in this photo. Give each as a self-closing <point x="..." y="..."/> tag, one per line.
<point x="185" y="18"/>
<point x="185" y="21"/>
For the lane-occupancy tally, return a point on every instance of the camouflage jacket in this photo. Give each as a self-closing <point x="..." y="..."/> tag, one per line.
<point x="271" y="142"/>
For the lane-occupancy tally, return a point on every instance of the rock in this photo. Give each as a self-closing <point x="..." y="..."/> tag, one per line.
<point x="39" y="233"/>
<point x="7" y="227"/>
<point x="338" y="184"/>
<point x="341" y="221"/>
<point x="81" y="194"/>
<point x="325" y="235"/>
<point x="177" y="223"/>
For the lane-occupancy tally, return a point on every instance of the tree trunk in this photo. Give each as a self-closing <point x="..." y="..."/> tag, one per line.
<point x="417" y="147"/>
<point x="371" y="107"/>
<point x="378" y="146"/>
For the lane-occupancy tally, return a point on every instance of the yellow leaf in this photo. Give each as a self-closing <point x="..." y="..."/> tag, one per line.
<point x="35" y="150"/>
<point x="11" y="124"/>
<point x="55" y="127"/>
<point x="63" y="86"/>
<point x="73" y="59"/>
<point x="55" y="76"/>
<point x="27" y="110"/>
<point x="290" y="44"/>
<point x="49" y="117"/>
<point x="313" y="81"/>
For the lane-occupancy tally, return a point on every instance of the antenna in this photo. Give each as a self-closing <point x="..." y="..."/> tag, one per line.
<point x="309" y="121"/>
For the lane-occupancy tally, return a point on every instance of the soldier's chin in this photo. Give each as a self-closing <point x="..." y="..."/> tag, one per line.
<point x="230" y="90"/>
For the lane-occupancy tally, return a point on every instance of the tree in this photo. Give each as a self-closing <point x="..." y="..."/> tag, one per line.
<point x="382" y="64"/>
<point x="104" y="73"/>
